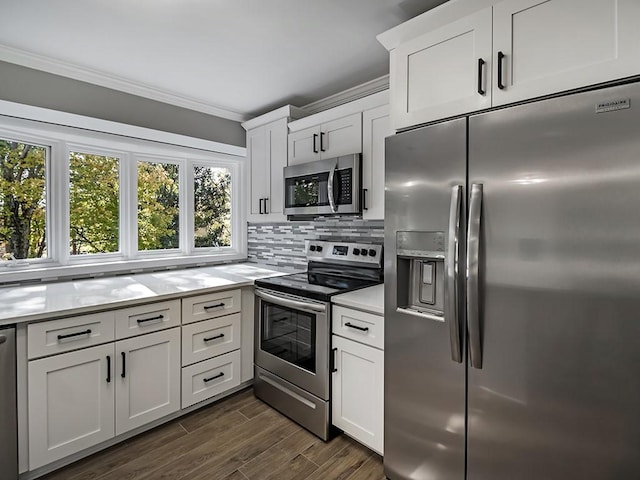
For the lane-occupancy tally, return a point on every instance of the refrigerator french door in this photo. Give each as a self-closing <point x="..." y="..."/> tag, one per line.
<point x="544" y="271"/>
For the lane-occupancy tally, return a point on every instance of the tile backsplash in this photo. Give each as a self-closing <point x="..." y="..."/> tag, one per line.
<point x="282" y="244"/>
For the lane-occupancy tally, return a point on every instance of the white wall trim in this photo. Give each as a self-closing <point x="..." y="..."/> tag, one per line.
<point x="95" y="77"/>
<point x="359" y="91"/>
<point x="39" y="114"/>
<point x="288" y="111"/>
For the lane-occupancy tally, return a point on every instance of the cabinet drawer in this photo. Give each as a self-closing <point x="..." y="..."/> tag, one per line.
<point x="209" y="378"/>
<point x="208" y="306"/>
<point x="147" y="318"/>
<point x="360" y="326"/>
<point x="57" y="336"/>
<point x="208" y="339"/>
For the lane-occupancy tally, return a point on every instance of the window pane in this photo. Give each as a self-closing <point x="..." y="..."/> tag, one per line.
<point x="94" y="203"/>
<point x="22" y="200"/>
<point x="158" y="200"/>
<point x="212" y="207"/>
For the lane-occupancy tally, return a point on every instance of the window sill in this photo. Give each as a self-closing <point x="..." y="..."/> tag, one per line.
<point x="11" y="276"/>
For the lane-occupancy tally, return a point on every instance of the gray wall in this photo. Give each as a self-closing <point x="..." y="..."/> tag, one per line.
<point x="282" y="244"/>
<point x="33" y="87"/>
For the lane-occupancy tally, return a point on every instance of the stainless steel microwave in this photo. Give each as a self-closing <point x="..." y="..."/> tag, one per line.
<point x="323" y="187"/>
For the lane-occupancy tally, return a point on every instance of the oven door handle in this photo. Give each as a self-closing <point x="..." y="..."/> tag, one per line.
<point x="287" y="302"/>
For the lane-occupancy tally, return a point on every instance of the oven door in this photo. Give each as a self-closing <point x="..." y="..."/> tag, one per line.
<point x="292" y="340"/>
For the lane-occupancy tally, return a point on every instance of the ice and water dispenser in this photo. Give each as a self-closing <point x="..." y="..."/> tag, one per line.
<point x="420" y="260"/>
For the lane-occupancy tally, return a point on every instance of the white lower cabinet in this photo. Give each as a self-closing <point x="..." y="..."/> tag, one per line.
<point x="358" y="391"/>
<point x="71" y="403"/>
<point x="147" y="378"/>
<point x="82" y="398"/>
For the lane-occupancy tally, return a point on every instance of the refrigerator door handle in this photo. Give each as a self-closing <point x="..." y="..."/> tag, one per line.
<point x="451" y="286"/>
<point x="473" y="284"/>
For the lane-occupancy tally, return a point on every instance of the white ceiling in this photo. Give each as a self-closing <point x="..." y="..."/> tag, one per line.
<point x="234" y="58"/>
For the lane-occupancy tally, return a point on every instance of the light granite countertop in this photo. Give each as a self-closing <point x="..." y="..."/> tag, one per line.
<point x="48" y="300"/>
<point x="370" y="299"/>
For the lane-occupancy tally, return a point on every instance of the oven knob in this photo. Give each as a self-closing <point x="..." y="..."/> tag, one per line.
<point x="372" y="252"/>
<point x="364" y="252"/>
<point x="356" y="251"/>
<point x="319" y="248"/>
<point x="312" y="248"/>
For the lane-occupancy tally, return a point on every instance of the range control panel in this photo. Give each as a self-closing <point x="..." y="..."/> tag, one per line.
<point x="337" y="252"/>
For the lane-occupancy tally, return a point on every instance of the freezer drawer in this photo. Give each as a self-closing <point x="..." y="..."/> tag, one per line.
<point x="8" y="407"/>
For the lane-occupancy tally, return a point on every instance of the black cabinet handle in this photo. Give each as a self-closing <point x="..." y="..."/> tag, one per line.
<point x="217" y="305"/>
<point x="260" y="203"/>
<point x="124" y="365"/>
<point x="351" y="325"/>
<point x="315" y="148"/>
<point x="77" y="334"/>
<point x="205" y="380"/>
<point x="213" y="338"/>
<point x="322" y="142"/>
<point x="266" y="210"/>
<point x="150" y="319"/>
<point x="500" y="65"/>
<point x="332" y="360"/>
<point x="108" y="369"/>
<point x="481" y="64"/>
<point x="364" y="198"/>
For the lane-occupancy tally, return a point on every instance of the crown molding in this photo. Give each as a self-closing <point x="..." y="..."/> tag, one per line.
<point x="288" y="111"/>
<point x="355" y="93"/>
<point x="102" y="79"/>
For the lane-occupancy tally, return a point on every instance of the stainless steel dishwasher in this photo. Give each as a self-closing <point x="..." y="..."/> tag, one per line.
<point x="8" y="412"/>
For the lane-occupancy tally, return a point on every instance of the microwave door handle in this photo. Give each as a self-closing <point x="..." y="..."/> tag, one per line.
<point x="330" y="191"/>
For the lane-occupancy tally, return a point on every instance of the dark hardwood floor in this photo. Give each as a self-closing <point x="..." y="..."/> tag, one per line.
<point x="238" y="438"/>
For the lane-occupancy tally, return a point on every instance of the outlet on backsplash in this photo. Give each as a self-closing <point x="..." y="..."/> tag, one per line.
<point x="282" y="244"/>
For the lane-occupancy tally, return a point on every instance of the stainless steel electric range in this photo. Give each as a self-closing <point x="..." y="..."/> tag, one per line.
<point x="293" y="329"/>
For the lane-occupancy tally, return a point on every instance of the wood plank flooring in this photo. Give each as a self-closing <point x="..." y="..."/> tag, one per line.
<point x="238" y="438"/>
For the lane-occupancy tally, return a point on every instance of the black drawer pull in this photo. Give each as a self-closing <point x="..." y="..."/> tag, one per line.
<point x="213" y="338"/>
<point x="315" y="148"/>
<point x="322" y="142"/>
<point x="260" y="203"/>
<point x="150" y="319"/>
<point x="77" y="334"/>
<point x="205" y="380"/>
<point x="108" y="369"/>
<point x="351" y="325"/>
<point x="217" y="305"/>
<point x="124" y="365"/>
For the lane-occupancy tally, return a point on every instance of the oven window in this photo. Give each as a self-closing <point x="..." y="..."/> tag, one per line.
<point x="290" y="335"/>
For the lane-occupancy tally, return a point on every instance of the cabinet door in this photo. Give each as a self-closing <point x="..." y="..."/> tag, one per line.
<point x="304" y="146"/>
<point x="258" y="167"/>
<point x="276" y="134"/>
<point x="358" y="392"/>
<point x="376" y="126"/>
<point x="148" y="378"/>
<point x="439" y="74"/>
<point x="341" y="137"/>
<point x="551" y="46"/>
<point x="71" y="403"/>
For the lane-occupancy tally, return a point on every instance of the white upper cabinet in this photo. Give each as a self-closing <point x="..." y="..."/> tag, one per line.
<point x="334" y="138"/>
<point x="549" y="46"/>
<point x="267" y="157"/>
<point x="444" y="72"/>
<point x="375" y="128"/>
<point x="511" y="51"/>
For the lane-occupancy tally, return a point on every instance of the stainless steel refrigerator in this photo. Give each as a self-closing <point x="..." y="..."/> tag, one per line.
<point x="512" y="293"/>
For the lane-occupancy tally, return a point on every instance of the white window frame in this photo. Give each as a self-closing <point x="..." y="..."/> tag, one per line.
<point x="146" y="145"/>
